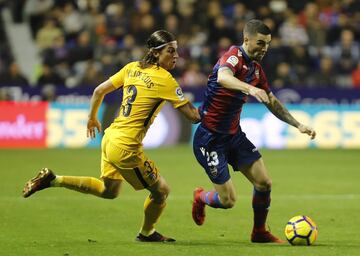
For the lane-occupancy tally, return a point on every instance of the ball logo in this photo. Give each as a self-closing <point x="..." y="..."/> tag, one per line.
<point x="179" y="93"/>
<point x="233" y="60"/>
<point x="289" y="230"/>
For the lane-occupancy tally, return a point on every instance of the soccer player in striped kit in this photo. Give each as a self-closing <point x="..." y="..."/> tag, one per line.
<point x="219" y="141"/>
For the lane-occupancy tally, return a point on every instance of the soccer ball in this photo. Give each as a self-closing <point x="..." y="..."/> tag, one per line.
<point x="301" y="230"/>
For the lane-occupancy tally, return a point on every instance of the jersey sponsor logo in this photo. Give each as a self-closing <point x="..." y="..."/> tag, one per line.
<point x="239" y="53"/>
<point x="233" y="60"/>
<point x="179" y="93"/>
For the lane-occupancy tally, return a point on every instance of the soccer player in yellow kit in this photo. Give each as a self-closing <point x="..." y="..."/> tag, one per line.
<point x="147" y="85"/>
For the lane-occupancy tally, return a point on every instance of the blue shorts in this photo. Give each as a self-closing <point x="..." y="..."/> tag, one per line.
<point x="214" y="151"/>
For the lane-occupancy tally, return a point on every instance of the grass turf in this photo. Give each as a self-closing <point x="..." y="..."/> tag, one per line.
<point x="318" y="183"/>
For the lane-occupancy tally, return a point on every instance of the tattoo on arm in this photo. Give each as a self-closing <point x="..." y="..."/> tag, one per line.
<point x="280" y="111"/>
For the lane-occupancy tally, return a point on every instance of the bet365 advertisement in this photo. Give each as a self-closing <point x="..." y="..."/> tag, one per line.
<point x="337" y="126"/>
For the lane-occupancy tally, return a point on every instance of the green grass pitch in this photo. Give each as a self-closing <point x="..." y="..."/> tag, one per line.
<point x="320" y="183"/>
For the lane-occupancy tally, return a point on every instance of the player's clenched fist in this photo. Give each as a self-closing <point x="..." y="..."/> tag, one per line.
<point x="308" y="130"/>
<point x="259" y="94"/>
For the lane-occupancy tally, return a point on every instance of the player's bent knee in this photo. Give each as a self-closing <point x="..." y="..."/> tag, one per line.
<point x="112" y="189"/>
<point x="164" y="193"/>
<point x="159" y="191"/>
<point x="160" y="195"/>
<point x="159" y="198"/>
<point x="110" y="194"/>
<point x="264" y="185"/>
<point x="267" y="184"/>
<point x="165" y="190"/>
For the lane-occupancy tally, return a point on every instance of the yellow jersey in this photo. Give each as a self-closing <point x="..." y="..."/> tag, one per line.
<point x="145" y="91"/>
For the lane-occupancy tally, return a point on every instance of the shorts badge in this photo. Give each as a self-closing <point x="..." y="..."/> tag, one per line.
<point x="213" y="171"/>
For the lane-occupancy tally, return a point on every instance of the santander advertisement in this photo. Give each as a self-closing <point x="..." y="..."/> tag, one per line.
<point x="45" y="125"/>
<point x="23" y="124"/>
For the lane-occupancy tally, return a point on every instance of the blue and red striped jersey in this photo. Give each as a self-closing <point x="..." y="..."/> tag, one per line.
<point x="222" y="107"/>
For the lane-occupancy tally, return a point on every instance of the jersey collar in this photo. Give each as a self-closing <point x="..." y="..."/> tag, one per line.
<point x="246" y="57"/>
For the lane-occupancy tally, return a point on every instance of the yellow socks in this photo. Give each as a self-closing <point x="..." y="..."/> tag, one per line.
<point x="152" y="213"/>
<point x="87" y="185"/>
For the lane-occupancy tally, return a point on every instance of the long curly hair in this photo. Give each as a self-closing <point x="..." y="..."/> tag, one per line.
<point x="157" y="39"/>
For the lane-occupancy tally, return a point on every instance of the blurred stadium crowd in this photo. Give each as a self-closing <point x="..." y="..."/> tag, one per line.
<point x="82" y="42"/>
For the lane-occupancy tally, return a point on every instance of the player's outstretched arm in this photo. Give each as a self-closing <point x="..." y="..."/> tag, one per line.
<point x="226" y="79"/>
<point x="190" y="112"/>
<point x="95" y="102"/>
<point x="281" y="112"/>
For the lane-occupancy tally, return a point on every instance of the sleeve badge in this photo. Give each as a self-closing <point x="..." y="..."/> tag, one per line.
<point x="179" y="93"/>
<point x="233" y="60"/>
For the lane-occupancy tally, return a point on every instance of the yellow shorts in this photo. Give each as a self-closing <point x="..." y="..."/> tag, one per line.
<point x="132" y="166"/>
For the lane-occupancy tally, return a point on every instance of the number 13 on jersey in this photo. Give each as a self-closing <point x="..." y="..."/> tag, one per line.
<point x="211" y="158"/>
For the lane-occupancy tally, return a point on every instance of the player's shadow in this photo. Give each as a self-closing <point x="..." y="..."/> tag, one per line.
<point x="215" y="243"/>
<point x="248" y="244"/>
